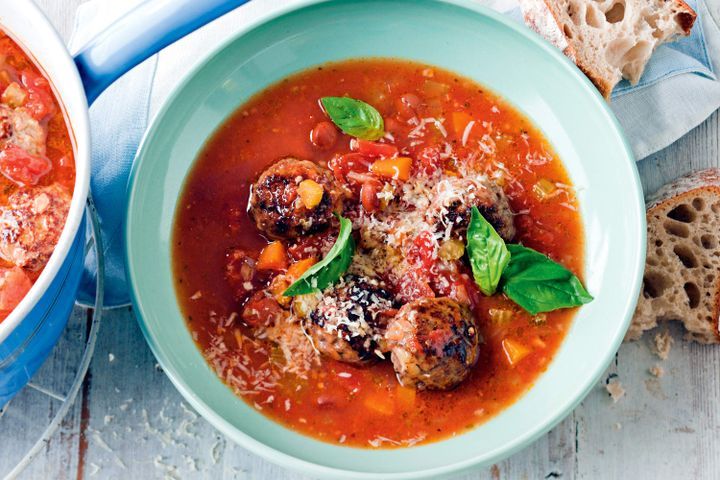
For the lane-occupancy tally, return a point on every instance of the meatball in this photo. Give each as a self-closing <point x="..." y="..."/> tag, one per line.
<point x="455" y="197"/>
<point x="31" y="224"/>
<point x="19" y="128"/>
<point x="348" y="322"/>
<point x="434" y="343"/>
<point x="278" y="209"/>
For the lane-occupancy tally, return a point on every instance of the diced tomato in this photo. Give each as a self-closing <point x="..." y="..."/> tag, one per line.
<point x="21" y="167"/>
<point x="369" y="195"/>
<point x="324" y="135"/>
<point x="424" y="249"/>
<point x="408" y="105"/>
<point x="373" y="149"/>
<point x="428" y="160"/>
<point x="414" y="285"/>
<point x="14" y="285"/>
<point x="40" y="101"/>
<point x="261" y="310"/>
<point x="241" y="273"/>
<point x="341" y="165"/>
<point x="472" y="290"/>
<point x="310" y="246"/>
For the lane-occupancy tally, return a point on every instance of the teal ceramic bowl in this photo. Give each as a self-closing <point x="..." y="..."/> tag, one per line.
<point x="457" y="35"/>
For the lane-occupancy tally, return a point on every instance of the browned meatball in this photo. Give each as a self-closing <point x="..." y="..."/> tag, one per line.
<point x="31" y="224"/>
<point x="349" y="321"/>
<point x="18" y="127"/>
<point x="277" y="208"/>
<point x="434" y="343"/>
<point x="455" y="197"/>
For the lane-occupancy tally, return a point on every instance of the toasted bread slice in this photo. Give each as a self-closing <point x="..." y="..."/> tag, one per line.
<point x="609" y="39"/>
<point x="682" y="273"/>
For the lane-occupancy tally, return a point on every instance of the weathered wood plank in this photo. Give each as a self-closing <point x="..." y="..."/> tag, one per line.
<point x="28" y="414"/>
<point x="137" y="425"/>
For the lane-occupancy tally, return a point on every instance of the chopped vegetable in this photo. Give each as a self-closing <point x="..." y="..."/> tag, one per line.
<point x="544" y="189"/>
<point x="514" y="351"/>
<point x="379" y="403"/>
<point x="432" y="88"/>
<point x="301" y="266"/>
<point x="397" y="168"/>
<point x="406" y="396"/>
<point x="310" y="193"/>
<point x="303" y="305"/>
<point x="500" y="315"/>
<point x="14" y="95"/>
<point x="273" y="257"/>
<point x="354" y="117"/>
<point x="331" y="268"/>
<point x="452" y="249"/>
<point x="21" y="167"/>
<point x="373" y="149"/>
<point x="277" y="286"/>
<point x="460" y="120"/>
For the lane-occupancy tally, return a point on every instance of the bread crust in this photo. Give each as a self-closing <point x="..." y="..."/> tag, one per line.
<point x="703" y="183"/>
<point x="542" y="20"/>
<point x="541" y="17"/>
<point x="686" y="16"/>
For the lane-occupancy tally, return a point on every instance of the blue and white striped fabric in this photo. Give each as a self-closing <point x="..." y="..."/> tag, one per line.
<point x="678" y="91"/>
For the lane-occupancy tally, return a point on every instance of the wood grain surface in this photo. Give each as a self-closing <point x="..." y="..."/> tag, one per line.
<point x="129" y="421"/>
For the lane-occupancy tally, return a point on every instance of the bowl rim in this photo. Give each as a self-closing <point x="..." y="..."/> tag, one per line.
<point x="308" y="467"/>
<point x="65" y="87"/>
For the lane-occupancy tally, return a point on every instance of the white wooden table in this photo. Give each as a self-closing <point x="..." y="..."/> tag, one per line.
<point x="129" y="422"/>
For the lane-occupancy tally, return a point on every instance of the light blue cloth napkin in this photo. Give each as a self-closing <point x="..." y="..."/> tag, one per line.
<point x="678" y="91"/>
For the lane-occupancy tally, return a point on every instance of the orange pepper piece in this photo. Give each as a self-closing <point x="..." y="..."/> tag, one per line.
<point x="310" y="193"/>
<point x="397" y="168"/>
<point x="273" y="257"/>
<point x="460" y="120"/>
<point x="298" y="268"/>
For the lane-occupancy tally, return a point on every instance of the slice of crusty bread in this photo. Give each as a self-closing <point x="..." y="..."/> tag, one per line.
<point x="682" y="273"/>
<point x="609" y="39"/>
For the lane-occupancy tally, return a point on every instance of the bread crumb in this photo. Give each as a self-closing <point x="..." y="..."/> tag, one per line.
<point x="616" y="391"/>
<point x="657" y="371"/>
<point x="663" y="343"/>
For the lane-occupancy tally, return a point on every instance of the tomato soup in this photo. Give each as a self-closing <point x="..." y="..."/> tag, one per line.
<point x="38" y="172"/>
<point x="435" y="125"/>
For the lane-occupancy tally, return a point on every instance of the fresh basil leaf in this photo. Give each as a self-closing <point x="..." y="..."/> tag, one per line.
<point x="487" y="253"/>
<point x="539" y="284"/>
<point x="331" y="268"/>
<point x="354" y="117"/>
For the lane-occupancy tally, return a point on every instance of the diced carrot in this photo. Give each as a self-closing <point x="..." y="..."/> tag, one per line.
<point x="381" y="404"/>
<point x="310" y="193"/>
<point x="406" y="396"/>
<point x="298" y="268"/>
<point x="460" y="120"/>
<point x="397" y="168"/>
<point x="273" y="257"/>
<point x="514" y="351"/>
